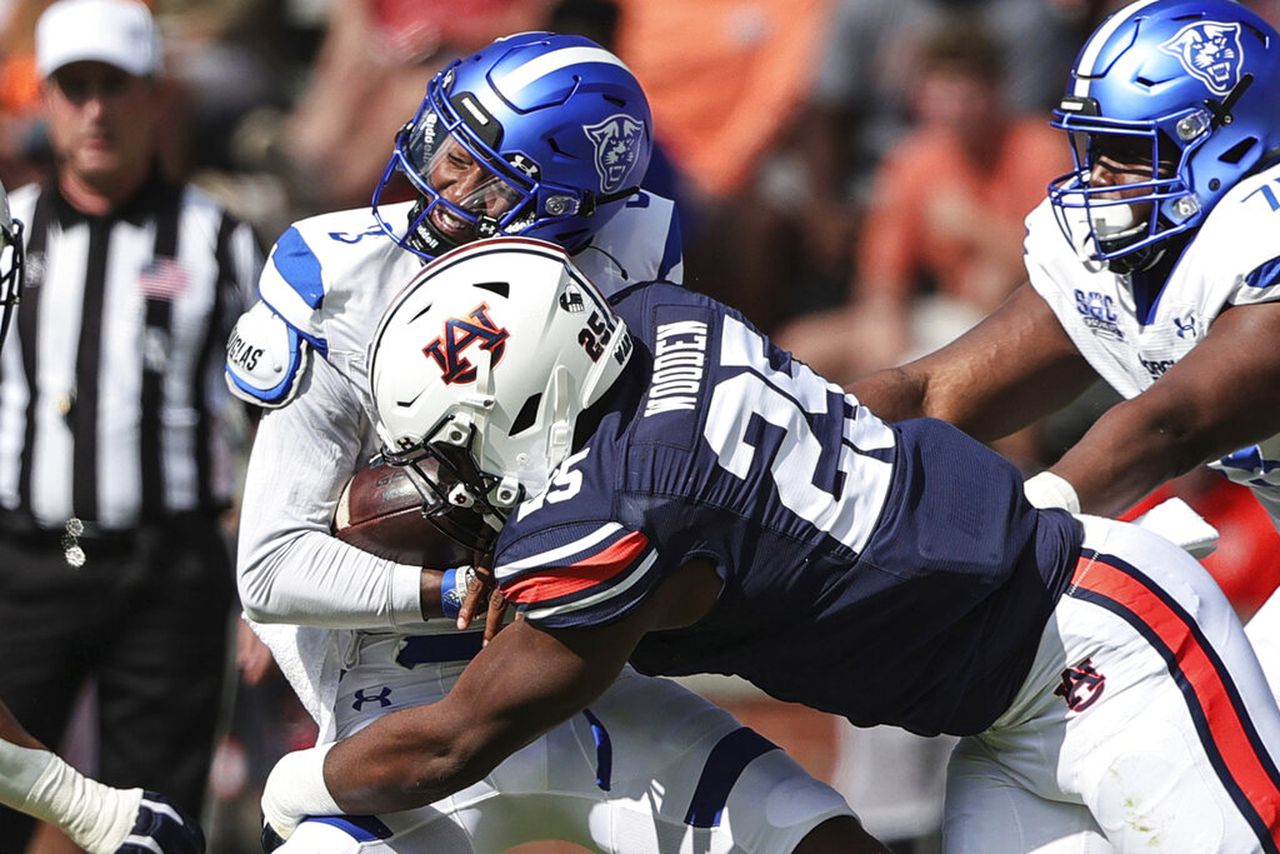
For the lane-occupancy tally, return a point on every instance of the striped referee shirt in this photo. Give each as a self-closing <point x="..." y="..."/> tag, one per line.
<point x="113" y="408"/>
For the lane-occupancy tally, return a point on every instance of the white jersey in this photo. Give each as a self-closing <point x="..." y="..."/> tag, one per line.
<point x="329" y="278"/>
<point x="606" y="779"/>
<point x="1233" y="260"/>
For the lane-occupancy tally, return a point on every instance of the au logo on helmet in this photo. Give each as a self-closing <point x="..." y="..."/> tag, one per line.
<point x="617" y="140"/>
<point x="1210" y="52"/>
<point x="459" y="334"/>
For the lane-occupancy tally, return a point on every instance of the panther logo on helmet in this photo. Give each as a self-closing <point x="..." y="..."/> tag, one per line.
<point x="1210" y="52"/>
<point x="617" y="140"/>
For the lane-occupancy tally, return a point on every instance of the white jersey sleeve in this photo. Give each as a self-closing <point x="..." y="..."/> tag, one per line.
<point x="290" y="569"/>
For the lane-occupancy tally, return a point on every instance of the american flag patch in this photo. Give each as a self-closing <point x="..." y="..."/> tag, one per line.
<point x="163" y="278"/>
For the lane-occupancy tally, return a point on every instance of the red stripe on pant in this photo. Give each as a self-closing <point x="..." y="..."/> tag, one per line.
<point x="1206" y="681"/>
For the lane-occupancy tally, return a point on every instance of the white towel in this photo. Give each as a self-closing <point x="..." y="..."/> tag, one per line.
<point x="310" y="659"/>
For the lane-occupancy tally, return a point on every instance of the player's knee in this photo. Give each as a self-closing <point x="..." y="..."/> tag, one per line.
<point x="842" y="834"/>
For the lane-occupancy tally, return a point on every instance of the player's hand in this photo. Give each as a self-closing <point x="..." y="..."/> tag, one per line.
<point x="162" y="829"/>
<point x="483" y="595"/>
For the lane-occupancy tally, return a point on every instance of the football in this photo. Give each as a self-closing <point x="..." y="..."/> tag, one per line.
<point x="380" y="511"/>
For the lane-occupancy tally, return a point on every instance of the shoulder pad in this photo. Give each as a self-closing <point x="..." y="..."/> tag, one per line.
<point x="292" y="285"/>
<point x="266" y="358"/>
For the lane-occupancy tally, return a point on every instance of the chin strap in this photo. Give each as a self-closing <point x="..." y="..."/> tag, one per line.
<point x="591" y="202"/>
<point x="1222" y="109"/>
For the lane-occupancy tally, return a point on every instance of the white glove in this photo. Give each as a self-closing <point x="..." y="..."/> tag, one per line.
<point x="296" y="789"/>
<point x="1174" y="520"/>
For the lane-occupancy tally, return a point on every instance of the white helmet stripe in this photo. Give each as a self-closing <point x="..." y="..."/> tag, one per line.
<point x="543" y="65"/>
<point x="1089" y="55"/>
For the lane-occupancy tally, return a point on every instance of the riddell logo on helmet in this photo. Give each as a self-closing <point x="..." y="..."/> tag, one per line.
<point x="1210" y="52"/>
<point x="459" y="334"/>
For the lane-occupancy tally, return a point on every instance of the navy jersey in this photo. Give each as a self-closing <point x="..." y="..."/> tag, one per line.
<point x="889" y="573"/>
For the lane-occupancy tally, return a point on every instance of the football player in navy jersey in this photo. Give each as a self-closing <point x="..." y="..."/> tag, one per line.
<point x="658" y="483"/>
<point x="1153" y="265"/>
<point x="540" y="134"/>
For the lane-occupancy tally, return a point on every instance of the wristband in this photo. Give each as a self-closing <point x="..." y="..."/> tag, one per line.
<point x="453" y="589"/>
<point x="1047" y="490"/>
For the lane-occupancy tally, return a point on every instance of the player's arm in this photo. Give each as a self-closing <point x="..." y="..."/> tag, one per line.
<point x="1221" y="396"/>
<point x="1014" y="367"/>
<point x="99" y="819"/>
<point x="290" y="569"/>
<point x="521" y="684"/>
<point x="524" y="682"/>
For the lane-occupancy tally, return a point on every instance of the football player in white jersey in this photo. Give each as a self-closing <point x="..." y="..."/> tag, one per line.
<point x="541" y="135"/>
<point x="1154" y="264"/>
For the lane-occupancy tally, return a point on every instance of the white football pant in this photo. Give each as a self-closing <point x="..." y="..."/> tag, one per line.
<point x="1145" y="724"/>
<point x="650" y="767"/>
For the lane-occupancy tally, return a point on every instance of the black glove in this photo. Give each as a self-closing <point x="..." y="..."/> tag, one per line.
<point x="160" y="823"/>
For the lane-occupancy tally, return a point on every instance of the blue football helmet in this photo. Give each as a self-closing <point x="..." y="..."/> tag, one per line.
<point x="538" y="134"/>
<point x="10" y="264"/>
<point x="1184" y="91"/>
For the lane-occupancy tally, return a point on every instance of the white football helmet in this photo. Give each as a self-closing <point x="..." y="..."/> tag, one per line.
<point x="10" y="264"/>
<point x="479" y="370"/>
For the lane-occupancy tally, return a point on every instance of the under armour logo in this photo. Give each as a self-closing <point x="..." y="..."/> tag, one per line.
<point x="459" y="334"/>
<point x="382" y="698"/>
<point x="1186" y="328"/>
<point x="1081" y="686"/>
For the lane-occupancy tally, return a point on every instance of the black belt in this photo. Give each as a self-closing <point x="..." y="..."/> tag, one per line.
<point x="436" y="649"/>
<point x="21" y="529"/>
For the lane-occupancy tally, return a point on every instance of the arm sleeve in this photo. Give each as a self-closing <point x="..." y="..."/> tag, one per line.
<point x="290" y="569"/>
<point x="581" y="574"/>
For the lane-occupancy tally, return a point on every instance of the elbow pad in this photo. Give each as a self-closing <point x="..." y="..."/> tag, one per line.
<point x="266" y="358"/>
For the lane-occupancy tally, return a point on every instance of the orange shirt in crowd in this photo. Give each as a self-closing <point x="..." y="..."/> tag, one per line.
<point x="932" y="206"/>
<point x="724" y="77"/>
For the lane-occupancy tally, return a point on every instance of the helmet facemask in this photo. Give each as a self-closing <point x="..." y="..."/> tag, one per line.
<point x="452" y="135"/>
<point x="1130" y="189"/>
<point x="466" y="504"/>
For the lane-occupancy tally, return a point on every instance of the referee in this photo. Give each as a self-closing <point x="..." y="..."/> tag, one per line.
<point x="115" y="460"/>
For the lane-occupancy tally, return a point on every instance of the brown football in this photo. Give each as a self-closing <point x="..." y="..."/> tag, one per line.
<point x="380" y="511"/>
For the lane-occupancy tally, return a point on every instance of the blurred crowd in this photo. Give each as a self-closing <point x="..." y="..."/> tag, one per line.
<point x="852" y="174"/>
